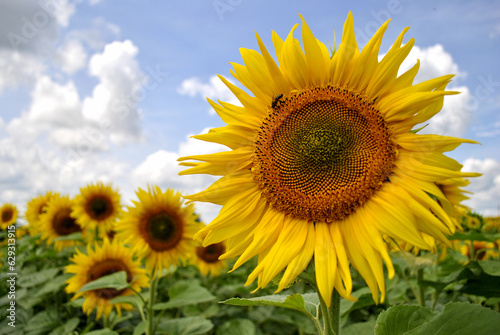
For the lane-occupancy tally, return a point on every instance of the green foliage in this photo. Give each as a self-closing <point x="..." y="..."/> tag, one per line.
<point x="455" y="319"/>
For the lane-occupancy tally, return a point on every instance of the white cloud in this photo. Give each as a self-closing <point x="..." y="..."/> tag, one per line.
<point x="71" y="57"/>
<point x="18" y="68"/>
<point x="486" y="189"/>
<point x="114" y="100"/>
<point x="215" y="89"/>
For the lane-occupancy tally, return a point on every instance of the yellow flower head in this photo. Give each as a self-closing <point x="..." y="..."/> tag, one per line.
<point x="35" y="208"/>
<point x="101" y="261"/>
<point x="206" y="259"/>
<point x="159" y="228"/>
<point x="323" y="161"/>
<point x="8" y="215"/>
<point x="97" y="206"/>
<point x="57" y="222"/>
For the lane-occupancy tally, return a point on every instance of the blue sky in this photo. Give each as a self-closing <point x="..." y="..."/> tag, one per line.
<point x="112" y="90"/>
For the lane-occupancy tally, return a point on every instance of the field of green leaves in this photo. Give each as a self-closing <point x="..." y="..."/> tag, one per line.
<point x="451" y="291"/>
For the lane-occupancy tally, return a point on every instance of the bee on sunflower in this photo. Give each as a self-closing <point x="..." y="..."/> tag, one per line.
<point x="322" y="173"/>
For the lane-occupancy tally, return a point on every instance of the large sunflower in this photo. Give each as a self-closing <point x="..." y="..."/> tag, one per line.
<point x="8" y="215"/>
<point x="97" y="206"/>
<point x="57" y="222"/>
<point x="101" y="261"/>
<point x="159" y="228"/>
<point x="35" y="208"/>
<point x="324" y="160"/>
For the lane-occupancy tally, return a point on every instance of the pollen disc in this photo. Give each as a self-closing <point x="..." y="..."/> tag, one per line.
<point x="321" y="153"/>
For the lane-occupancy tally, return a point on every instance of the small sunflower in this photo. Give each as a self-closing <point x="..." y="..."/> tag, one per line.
<point x="35" y="208"/>
<point x="8" y="215"/>
<point x="97" y="206"/>
<point x="101" y="261"/>
<point x="482" y="250"/>
<point x="323" y="161"/>
<point x="159" y="228"/>
<point x="58" y="222"/>
<point x="206" y="259"/>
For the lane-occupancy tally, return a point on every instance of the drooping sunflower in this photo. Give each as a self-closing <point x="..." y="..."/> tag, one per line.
<point x="35" y="208"/>
<point x="97" y="206"/>
<point x="323" y="160"/>
<point x="159" y="228"/>
<point x="8" y="215"/>
<point x="58" y="222"/>
<point x="101" y="261"/>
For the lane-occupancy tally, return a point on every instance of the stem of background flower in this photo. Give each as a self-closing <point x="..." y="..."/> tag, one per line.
<point x="421" y="293"/>
<point x="152" y="294"/>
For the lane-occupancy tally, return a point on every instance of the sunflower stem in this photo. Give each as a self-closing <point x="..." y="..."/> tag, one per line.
<point x="421" y="293"/>
<point x="334" y="312"/>
<point x="152" y="292"/>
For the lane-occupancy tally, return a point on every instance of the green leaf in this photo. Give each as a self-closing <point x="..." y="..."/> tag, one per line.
<point x="70" y="237"/>
<point x="185" y="326"/>
<point x="66" y="328"/>
<point x="105" y="331"/>
<point x="117" y="280"/>
<point x="237" y="327"/>
<point x="360" y="328"/>
<point x="400" y="319"/>
<point x="461" y="319"/>
<point x="37" y="278"/>
<point x="482" y="285"/>
<point x="455" y="319"/>
<point x="364" y="299"/>
<point x="491" y="268"/>
<point x="185" y="293"/>
<point x="140" y="328"/>
<point x="296" y="302"/>
<point x="43" y="322"/>
<point x="475" y="236"/>
<point x="127" y="299"/>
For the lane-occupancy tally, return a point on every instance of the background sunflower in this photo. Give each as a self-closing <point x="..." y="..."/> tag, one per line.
<point x="57" y="222"/>
<point x="159" y="228"/>
<point x="103" y="260"/>
<point x="97" y="206"/>
<point x="35" y="208"/>
<point x="8" y="215"/>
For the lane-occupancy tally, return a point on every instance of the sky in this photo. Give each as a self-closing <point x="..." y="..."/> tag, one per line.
<point x="112" y="90"/>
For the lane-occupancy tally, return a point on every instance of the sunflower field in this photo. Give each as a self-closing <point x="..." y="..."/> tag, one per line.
<point x="338" y="217"/>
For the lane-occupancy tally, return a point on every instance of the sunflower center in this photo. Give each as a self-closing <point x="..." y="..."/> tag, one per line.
<point x="105" y="268"/>
<point x="163" y="231"/>
<point x="321" y="153"/>
<point x="210" y="253"/>
<point x="64" y="224"/>
<point x="99" y="207"/>
<point x="7" y="215"/>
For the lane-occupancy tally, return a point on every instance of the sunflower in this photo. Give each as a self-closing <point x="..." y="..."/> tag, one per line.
<point x="482" y="250"/>
<point x="206" y="259"/>
<point x="8" y="215"/>
<point x="159" y="228"/>
<point x="101" y="261"/>
<point x="323" y="160"/>
<point x="35" y="208"/>
<point x="57" y="222"/>
<point x="97" y="206"/>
